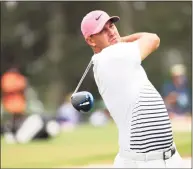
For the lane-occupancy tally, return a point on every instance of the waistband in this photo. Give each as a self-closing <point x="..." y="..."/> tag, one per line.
<point x="148" y="156"/>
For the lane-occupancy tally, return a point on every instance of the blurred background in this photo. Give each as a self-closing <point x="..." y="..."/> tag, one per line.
<point x="43" y="56"/>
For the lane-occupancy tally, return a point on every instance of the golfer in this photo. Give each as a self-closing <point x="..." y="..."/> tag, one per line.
<point x="144" y="128"/>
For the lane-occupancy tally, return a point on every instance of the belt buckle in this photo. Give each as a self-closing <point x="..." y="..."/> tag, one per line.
<point x="169" y="153"/>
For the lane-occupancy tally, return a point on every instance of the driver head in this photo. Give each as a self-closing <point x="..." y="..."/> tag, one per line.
<point x="82" y="101"/>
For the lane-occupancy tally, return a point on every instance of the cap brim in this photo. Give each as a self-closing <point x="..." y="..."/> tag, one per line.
<point x="113" y="19"/>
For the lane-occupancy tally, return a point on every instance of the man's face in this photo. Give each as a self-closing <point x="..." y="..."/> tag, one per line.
<point x="179" y="80"/>
<point x="108" y="36"/>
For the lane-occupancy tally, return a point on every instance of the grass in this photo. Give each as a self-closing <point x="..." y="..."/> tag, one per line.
<point x="84" y="146"/>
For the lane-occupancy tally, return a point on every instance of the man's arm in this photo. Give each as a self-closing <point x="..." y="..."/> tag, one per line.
<point x="148" y="42"/>
<point x="132" y="37"/>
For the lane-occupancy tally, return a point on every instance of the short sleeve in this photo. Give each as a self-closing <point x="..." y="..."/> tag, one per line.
<point x="132" y="51"/>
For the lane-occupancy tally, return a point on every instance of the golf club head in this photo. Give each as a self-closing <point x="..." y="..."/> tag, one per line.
<point x="82" y="101"/>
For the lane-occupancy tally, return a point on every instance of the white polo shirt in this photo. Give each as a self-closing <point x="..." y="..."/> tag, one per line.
<point x="121" y="82"/>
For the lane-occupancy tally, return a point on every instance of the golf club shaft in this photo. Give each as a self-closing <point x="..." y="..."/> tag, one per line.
<point x="83" y="76"/>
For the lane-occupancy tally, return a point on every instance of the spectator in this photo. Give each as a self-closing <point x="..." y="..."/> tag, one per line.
<point x="67" y="115"/>
<point x="99" y="117"/>
<point x="13" y="86"/>
<point x="35" y="126"/>
<point x="176" y="93"/>
<point x="23" y="127"/>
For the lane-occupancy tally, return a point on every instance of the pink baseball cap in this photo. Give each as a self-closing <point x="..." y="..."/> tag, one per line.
<point x="94" y="22"/>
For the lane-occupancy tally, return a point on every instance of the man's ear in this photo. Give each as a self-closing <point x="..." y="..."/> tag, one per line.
<point x="90" y="41"/>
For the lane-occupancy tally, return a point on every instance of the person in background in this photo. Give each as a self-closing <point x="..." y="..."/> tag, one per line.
<point x="101" y="116"/>
<point x="67" y="115"/>
<point x="22" y="127"/>
<point x="176" y="93"/>
<point x="13" y="86"/>
<point x="34" y="126"/>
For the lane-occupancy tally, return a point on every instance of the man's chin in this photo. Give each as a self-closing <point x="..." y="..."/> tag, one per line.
<point x="115" y="41"/>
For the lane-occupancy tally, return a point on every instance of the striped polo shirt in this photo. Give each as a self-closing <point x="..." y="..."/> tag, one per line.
<point x="134" y="104"/>
<point x="150" y="124"/>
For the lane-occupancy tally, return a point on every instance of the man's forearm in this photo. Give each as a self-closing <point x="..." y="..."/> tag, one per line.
<point x="133" y="37"/>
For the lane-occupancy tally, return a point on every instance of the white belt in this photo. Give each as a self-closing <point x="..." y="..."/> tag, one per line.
<point x="148" y="156"/>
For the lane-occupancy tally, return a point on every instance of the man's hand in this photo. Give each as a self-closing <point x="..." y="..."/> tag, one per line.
<point x="171" y="98"/>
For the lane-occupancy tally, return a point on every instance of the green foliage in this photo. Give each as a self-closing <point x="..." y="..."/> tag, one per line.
<point x="45" y="40"/>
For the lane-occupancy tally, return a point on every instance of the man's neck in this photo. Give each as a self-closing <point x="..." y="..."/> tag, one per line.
<point x="96" y="50"/>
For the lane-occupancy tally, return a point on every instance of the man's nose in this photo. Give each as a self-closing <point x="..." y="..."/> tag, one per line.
<point x="111" y="32"/>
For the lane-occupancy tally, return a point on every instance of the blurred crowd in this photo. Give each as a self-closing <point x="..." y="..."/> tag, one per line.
<point x="176" y="93"/>
<point x="24" y="118"/>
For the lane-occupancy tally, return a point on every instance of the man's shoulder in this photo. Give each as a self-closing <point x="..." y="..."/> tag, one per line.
<point x="126" y="50"/>
<point x="115" y="46"/>
<point x="122" y="47"/>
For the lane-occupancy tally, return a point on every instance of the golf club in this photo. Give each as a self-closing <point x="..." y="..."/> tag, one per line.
<point x="83" y="76"/>
<point x="82" y="101"/>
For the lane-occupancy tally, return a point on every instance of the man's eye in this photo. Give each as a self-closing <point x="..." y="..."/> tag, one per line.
<point x="103" y="31"/>
<point x="111" y="25"/>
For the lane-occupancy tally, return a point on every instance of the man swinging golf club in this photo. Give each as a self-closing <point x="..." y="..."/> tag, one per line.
<point x="145" y="132"/>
